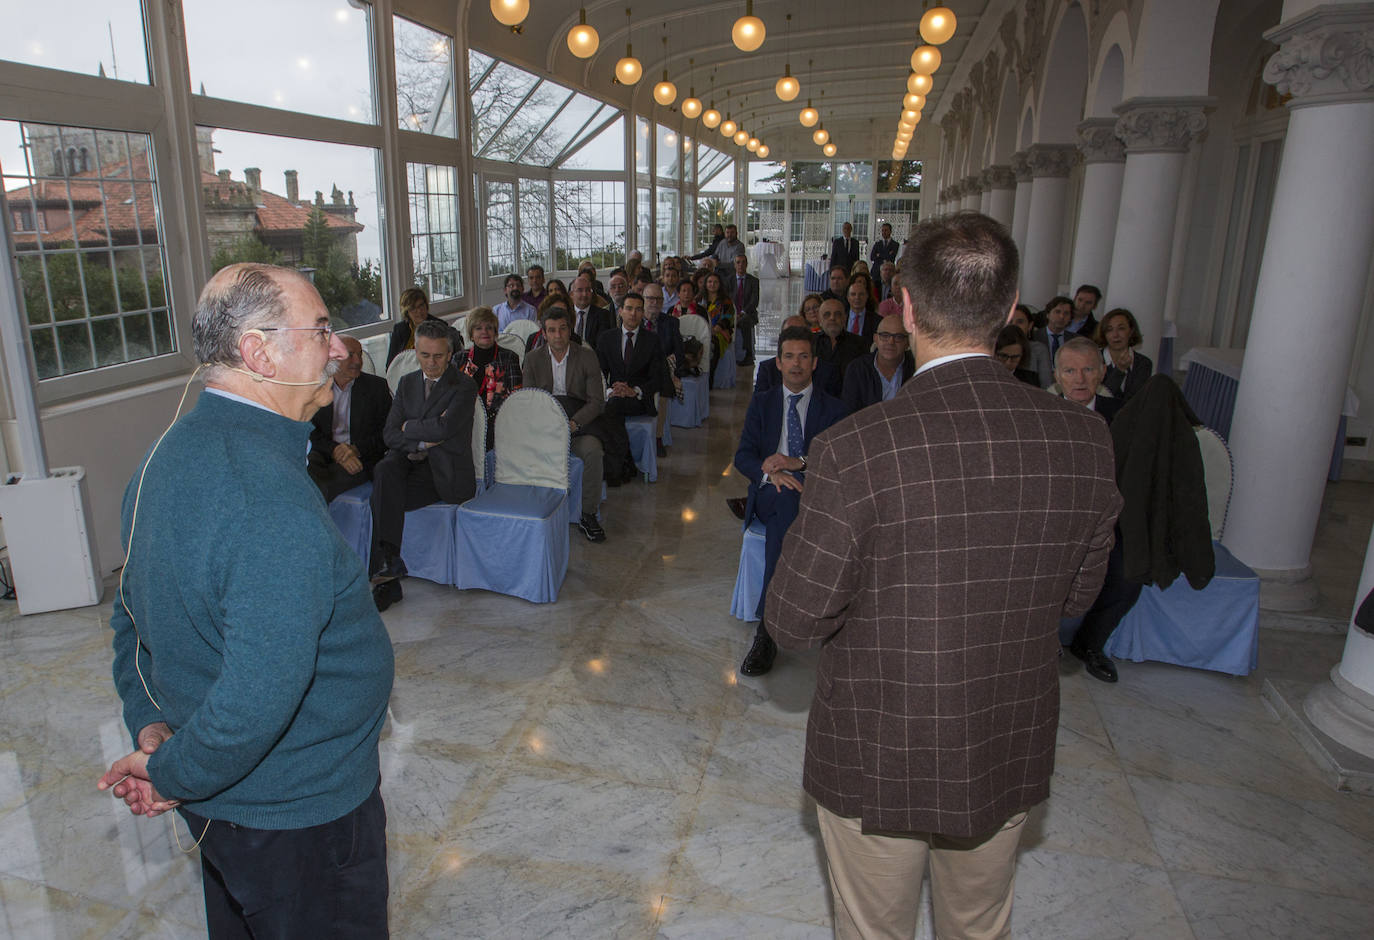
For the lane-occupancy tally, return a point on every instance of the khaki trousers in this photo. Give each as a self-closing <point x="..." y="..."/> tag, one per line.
<point x="876" y="880"/>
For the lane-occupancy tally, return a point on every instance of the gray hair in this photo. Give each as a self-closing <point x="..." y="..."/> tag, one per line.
<point x="237" y="299"/>
<point x="1079" y="344"/>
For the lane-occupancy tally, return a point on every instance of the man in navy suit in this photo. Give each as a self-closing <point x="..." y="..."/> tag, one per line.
<point x="778" y="430"/>
<point x="827" y="376"/>
<point x="743" y="289"/>
<point x="844" y="251"/>
<point x="633" y="363"/>
<point x="884" y="250"/>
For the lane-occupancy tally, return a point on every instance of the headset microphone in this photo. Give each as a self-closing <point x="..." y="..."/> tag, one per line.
<point x="262" y="378"/>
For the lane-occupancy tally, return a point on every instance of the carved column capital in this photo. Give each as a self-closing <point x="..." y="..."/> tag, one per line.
<point x="1052" y="160"/>
<point x="973" y="185"/>
<point x="1325" y="55"/>
<point x="1098" y="143"/>
<point x="999" y="176"/>
<point x="1161" y="125"/>
<point x="1020" y="166"/>
<point x="956" y="191"/>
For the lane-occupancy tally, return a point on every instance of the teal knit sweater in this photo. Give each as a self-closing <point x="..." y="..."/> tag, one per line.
<point x="260" y="639"/>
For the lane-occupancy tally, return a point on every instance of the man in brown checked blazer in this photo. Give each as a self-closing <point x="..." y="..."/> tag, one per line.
<point x="941" y="537"/>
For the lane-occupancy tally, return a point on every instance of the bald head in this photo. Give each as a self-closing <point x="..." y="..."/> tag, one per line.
<point x="832" y="317"/>
<point x="892" y="340"/>
<point x="795" y="320"/>
<point x="352" y="365"/>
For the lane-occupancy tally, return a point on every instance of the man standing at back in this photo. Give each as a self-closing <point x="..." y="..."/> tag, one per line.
<point x="743" y="289"/>
<point x="253" y="668"/>
<point x="941" y="536"/>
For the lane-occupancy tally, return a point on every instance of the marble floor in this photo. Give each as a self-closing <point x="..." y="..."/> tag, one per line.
<point x="596" y="768"/>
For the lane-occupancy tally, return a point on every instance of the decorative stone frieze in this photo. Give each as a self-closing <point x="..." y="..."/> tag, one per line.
<point x="1098" y="143"/>
<point x="1161" y="125"/>
<point x="1052" y="160"/>
<point x="999" y="176"/>
<point x="1020" y="166"/>
<point x="1326" y="54"/>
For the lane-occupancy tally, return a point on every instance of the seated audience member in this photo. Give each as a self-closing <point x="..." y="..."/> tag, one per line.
<point x="879" y="375"/>
<point x="1058" y="312"/>
<point x="346" y="440"/>
<point x="1085" y="301"/>
<point x="415" y="310"/>
<point x="514" y="308"/>
<point x="1078" y="377"/>
<point x="778" y="429"/>
<point x="633" y="265"/>
<point x="1036" y="356"/>
<point x="669" y="334"/>
<point x="835" y="344"/>
<point x="670" y="277"/>
<point x="827" y="376"/>
<point x="892" y="305"/>
<point x="571" y="373"/>
<point x="429" y="436"/>
<point x="496" y="370"/>
<point x="839" y="285"/>
<point x="642" y="277"/>
<point x="885" y="275"/>
<point x="557" y="288"/>
<point x="810" y="311"/>
<point x="686" y="301"/>
<point x="1011" y="352"/>
<point x="633" y="363"/>
<point x="862" y="319"/>
<point x="588" y="319"/>
<point x="1127" y="370"/>
<point x="534" y="276"/>
<point x="587" y="269"/>
<point x="551" y="300"/>
<point x="720" y="313"/>
<point x="619" y="286"/>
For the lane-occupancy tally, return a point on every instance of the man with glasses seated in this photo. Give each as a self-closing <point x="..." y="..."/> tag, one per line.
<point x="878" y="376"/>
<point x="669" y="333"/>
<point x="429" y="431"/>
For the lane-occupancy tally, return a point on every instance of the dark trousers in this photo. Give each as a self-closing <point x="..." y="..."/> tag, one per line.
<point x="324" y="881"/>
<point x="399" y="485"/>
<point x="332" y="479"/>
<point x="630" y="407"/>
<point x="746" y="340"/>
<point x="776" y="509"/>
<point x="1113" y="603"/>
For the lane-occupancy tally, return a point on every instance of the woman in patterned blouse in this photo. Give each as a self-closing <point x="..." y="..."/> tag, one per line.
<point x="495" y="370"/>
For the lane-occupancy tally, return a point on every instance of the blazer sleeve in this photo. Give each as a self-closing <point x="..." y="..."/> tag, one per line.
<point x="820" y="567"/>
<point x="451" y="421"/>
<point x="851" y="392"/>
<point x="750" y="454"/>
<point x="369" y="420"/>
<point x="395" y="417"/>
<point x="399" y="332"/>
<point x="592" y="388"/>
<point x="766" y="377"/>
<point x="603" y="355"/>
<point x="322" y="431"/>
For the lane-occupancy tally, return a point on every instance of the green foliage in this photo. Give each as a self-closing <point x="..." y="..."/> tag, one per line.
<point x="316" y="240"/>
<point x="244" y="249"/>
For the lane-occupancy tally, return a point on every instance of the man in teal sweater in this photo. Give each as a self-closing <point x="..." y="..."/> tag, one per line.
<point x="252" y="664"/>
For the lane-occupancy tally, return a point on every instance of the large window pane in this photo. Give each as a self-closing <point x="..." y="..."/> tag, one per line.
<point x="899" y="176"/>
<point x="810" y="177"/>
<point x="87" y="244"/>
<point x="854" y="178"/>
<point x="93" y="37"/>
<point x="669" y="154"/>
<point x="606" y="151"/>
<point x="424" y="79"/>
<point x="500" y="214"/>
<point x="497" y="100"/>
<point x="534" y="223"/>
<point x="666" y="221"/>
<point x="713" y="210"/>
<point x="304" y="203"/>
<point x="642" y="143"/>
<point x="856" y="213"/>
<point x="767" y="177"/>
<point x="589" y="222"/>
<point x="307" y="55"/>
<point x="715" y="170"/>
<point x="512" y="141"/>
<point x="435" y="248"/>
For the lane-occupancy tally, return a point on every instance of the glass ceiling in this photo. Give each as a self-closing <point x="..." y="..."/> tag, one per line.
<point x="710" y="163"/>
<point x="519" y="117"/>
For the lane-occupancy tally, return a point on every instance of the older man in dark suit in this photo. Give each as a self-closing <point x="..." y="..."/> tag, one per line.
<point x="429" y="431"/>
<point x="940" y="538"/>
<point x="633" y="363"/>
<point x="346" y="440"/>
<point x="743" y="290"/>
<point x="844" y="250"/>
<point x="778" y="430"/>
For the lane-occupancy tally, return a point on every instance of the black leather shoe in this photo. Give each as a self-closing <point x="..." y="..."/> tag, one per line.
<point x="661" y="450"/>
<point x="386" y="594"/>
<point x="737" y="505"/>
<point x="760" y="657"/>
<point x="391" y="568"/>
<point x="1098" y="663"/>
<point x="591" y="528"/>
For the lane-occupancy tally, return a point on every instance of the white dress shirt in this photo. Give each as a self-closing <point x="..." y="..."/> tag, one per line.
<point x="560" y="372"/>
<point x="343" y="412"/>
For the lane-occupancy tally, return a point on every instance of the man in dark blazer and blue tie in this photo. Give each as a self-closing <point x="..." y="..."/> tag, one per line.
<point x="778" y="429"/>
<point x="633" y="363"/>
<point x="884" y="250"/>
<point x="743" y="289"/>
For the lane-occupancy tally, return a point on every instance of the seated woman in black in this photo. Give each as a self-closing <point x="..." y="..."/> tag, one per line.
<point x="1011" y="350"/>
<point x="414" y="310"/>
<point x="496" y="370"/>
<point x="1127" y="370"/>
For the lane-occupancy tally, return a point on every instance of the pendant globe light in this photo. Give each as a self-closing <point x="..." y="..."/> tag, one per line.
<point x="711" y="117"/>
<point x="787" y="87"/>
<point x="665" y="92"/>
<point x="925" y="60"/>
<point x="938" y="25"/>
<point x="829" y="149"/>
<point x="728" y="127"/>
<point x="583" y="40"/>
<point x="691" y="105"/>
<point x="763" y="151"/>
<point x="911" y="117"/>
<point x="809" y="115"/>
<point x="914" y="102"/>
<point x="748" y="31"/>
<point x="918" y="84"/>
<point x="821" y="136"/>
<point x="510" y="12"/>
<point x="629" y="69"/>
<point x="753" y="144"/>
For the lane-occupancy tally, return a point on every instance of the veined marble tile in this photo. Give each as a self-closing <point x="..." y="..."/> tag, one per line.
<point x="482" y="655"/>
<point x="1222" y="909"/>
<point x="420" y="788"/>
<point x="31" y="911"/>
<point x="675" y="625"/>
<point x="682" y="920"/>
<point x="649" y="677"/>
<point x="452" y="711"/>
<point x="576" y="820"/>
<point x="635" y="745"/>
<point x="758" y="762"/>
<point x="1091" y="812"/>
<point x="1064" y="896"/>
<point x="1082" y="739"/>
<point x="1182" y="692"/>
<point x="1255" y="837"/>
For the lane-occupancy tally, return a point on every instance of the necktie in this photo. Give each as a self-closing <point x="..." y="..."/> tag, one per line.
<point x="581" y="321"/>
<point x="629" y="347"/>
<point x="1055" y="340"/>
<point x="429" y="385"/>
<point x="739" y="294"/>
<point x="854" y="322"/>
<point x="794" y="428"/>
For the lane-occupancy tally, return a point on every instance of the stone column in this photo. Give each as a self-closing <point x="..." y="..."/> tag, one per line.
<point x="1316" y="260"/>
<point x="1000" y="183"/>
<point x="1157" y="133"/>
<point x="1021" y="203"/>
<point x="1050" y="165"/>
<point x="1104" y="158"/>
<point x="984" y="194"/>
<point x="970" y="186"/>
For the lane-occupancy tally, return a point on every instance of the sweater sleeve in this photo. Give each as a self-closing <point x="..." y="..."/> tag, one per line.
<point x="277" y="598"/>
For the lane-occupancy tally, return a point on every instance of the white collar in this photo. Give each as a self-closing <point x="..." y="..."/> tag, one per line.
<point x="943" y="359"/>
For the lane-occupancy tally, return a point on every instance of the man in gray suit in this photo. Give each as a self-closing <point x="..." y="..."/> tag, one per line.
<point x="940" y="538"/>
<point x="571" y="373"/>
<point x="743" y="289"/>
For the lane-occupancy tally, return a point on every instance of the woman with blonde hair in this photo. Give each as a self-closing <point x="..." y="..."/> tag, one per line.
<point x="414" y="311"/>
<point x="496" y="370"/>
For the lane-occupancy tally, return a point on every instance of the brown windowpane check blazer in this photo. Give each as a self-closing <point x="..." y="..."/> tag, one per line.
<point x="941" y="537"/>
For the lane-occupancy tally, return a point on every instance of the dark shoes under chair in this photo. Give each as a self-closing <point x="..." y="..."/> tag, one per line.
<point x="760" y="657"/>
<point x="386" y="594"/>
<point x="389" y="568"/>
<point x="660" y="450"/>
<point x="737" y="505"/>
<point x="1098" y="663"/>
<point x="591" y="528"/>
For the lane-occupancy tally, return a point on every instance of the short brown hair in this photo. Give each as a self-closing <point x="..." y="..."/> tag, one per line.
<point x="960" y="272"/>
<point x="1100" y="334"/>
<point x="412" y="297"/>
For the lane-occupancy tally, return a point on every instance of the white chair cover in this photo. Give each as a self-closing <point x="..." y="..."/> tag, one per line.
<point x="1216" y="471"/>
<point x="479" y="444"/>
<point x="404" y="364"/>
<point x="374" y="353"/>
<point x="521" y="328"/>
<point x="459" y="323"/>
<point x="698" y="328"/>
<point x="532" y="440"/>
<point x="515" y="344"/>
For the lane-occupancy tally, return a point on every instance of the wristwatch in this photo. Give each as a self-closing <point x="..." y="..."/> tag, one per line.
<point x="803" y="466"/>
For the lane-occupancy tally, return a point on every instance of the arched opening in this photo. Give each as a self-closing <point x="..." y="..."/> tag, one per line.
<point x="1066" y="80"/>
<point x="1004" y="134"/>
<point x="1111" y="84"/>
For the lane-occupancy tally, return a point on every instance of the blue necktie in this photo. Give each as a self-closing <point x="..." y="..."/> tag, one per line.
<point x="794" y="428"/>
